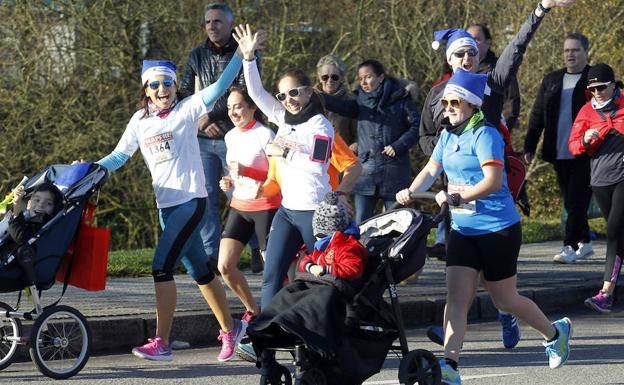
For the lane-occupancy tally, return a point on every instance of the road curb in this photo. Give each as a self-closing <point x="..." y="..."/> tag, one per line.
<point x="200" y="329"/>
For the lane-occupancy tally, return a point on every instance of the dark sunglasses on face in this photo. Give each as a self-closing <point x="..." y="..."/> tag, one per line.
<point x="293" y="93"/>
<point x="333" y="77"/>
<point x="472" y="52"/>
<point x="453" y="102"/>
<point x="599" y="88"/>
<point x="156" y="83"/>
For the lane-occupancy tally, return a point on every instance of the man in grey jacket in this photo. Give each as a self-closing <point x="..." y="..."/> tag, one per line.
<point x="204" y="66"/>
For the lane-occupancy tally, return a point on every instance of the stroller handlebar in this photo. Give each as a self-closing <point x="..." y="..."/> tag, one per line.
<point x="444" y="209"/>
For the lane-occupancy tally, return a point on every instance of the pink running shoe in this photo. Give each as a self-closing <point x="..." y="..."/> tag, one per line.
<point x="601" y="302"/>
<point x="154" y="350"/>
<point x="248" y="317"/>
<point x="230" y="340"/>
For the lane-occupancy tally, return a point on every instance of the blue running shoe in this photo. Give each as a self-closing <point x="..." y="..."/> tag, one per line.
<point x="450" y="376"/>
<point x="511" y="330"/>
<point x="246" y="352"/>
<point x="436" y="335"/>
<point x="558" y="350"/>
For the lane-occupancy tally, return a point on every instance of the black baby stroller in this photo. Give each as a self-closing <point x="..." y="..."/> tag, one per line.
<point x="59" y="336"/>
<point x="340" y="332"/>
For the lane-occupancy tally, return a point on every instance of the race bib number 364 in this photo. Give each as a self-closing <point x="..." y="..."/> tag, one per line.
<point x="160" y="147"/>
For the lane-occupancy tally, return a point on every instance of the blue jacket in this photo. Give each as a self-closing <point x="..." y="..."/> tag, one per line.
<point x="393" y="122"/>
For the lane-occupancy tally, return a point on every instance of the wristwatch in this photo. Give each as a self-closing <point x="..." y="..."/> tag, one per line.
<point x="455" y="199"/>
<point x="542" y="8"/>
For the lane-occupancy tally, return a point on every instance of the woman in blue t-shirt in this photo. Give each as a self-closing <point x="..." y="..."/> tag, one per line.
<point x="486" y="233"/>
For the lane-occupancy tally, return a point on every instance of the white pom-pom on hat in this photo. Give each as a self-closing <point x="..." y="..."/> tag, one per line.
<point x="435" y="45"/>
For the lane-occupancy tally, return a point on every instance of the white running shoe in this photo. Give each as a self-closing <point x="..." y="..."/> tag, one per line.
<point x="566" y="255"/>
<point x="584" y="250"/>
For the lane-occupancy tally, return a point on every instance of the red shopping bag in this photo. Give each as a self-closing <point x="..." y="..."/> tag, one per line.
<point x="516" y="176"/>
<point x="88" y="256"/>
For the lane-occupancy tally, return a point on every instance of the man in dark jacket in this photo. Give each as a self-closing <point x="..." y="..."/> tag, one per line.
<point x="559" y="99"/>
<point x="205" y="65"/>
<point x="461" y="51"/>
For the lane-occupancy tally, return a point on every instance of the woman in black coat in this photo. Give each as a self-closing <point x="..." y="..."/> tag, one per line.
<point x="387" y="127"/>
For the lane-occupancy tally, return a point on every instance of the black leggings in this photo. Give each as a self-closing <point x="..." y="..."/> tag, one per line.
<point x="611" y="202"/>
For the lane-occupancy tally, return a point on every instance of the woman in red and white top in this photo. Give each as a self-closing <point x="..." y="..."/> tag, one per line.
<point x="246" y="144"/>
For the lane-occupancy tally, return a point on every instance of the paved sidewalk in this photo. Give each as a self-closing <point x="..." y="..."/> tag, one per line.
<point x="123" y="315"/>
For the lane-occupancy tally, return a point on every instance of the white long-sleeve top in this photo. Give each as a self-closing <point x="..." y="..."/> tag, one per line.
<point x="304" y="182"/>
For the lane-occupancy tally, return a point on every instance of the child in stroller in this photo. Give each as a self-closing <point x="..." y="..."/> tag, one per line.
<point x="337" y="251"/>
<point x="59" y="336"/>
<point x="24" y="221"/>
<point x="339" y="331"/>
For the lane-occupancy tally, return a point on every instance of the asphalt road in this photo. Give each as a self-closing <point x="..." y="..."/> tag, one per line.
<point x="597" y="358"/>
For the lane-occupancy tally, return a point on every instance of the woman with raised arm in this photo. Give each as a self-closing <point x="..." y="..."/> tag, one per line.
<point x="164" y="129"/>
<point x="302" y="147"/>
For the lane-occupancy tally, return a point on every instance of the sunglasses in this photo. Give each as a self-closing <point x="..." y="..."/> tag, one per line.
<point x="293" y="93"/>
<point x="333" y="77"/>
<point x="472" y="52"/>
<point x="156" y="83"/>
<point x="599" y="88"/>
<point x="453" y="102"/>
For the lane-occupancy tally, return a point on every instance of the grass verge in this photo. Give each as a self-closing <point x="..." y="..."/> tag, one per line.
<point x="137" y="263"/>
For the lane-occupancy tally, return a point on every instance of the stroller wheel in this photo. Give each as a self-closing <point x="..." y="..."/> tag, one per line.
<point x="59" y="342"/>
<point x="10" y="334"/>
<point x="284" y="378"/>
<point x="420" y="367"/>
<point x="312" y="376"/>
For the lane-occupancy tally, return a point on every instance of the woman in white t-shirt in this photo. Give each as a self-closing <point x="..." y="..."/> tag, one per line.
<point x="302" y="147"/>
<point x="164" y="129"/>
<point x="249" y="209"/>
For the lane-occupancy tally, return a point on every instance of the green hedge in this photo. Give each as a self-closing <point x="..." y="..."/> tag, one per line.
<point x="71" y="70"/>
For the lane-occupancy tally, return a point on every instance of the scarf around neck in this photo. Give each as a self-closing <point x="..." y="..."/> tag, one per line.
<point x="311" y="109"/>
<point x="372" y="99"/>
<point x="464" y="126"/>
<point x="608" y="105"/>
<point x="162" y="113"/>
<point x="352" y="230"/>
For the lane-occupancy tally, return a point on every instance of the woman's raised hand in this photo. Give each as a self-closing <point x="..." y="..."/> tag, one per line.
<point x="557" y="3"/>
<point x="248" y="42"/>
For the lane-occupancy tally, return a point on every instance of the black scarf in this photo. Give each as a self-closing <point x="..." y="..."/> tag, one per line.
<point x="314" y="107"/>
<point x="373" y="99"/>
<point x="455" y="129"/>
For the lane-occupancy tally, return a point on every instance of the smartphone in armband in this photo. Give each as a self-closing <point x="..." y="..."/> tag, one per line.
<point x="321" y="149"/>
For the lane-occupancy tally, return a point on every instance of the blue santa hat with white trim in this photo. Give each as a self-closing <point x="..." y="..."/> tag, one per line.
<point x="467" y="85"/>
<point x="455" y="38"/>
<point x="153" y="68"/>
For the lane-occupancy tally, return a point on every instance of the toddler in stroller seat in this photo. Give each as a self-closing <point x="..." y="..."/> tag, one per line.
<point x="339" y="330"/>
<point x="32" y="248"/>
<point x="24" y="221"/>
<point x="313" y="307"/>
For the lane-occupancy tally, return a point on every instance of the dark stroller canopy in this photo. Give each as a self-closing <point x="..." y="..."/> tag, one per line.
<point x="94" y="178"/>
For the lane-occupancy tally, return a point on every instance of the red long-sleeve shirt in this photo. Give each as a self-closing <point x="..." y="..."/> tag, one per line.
<point x="589" y="118"/>
<point x="344" y="257"/>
